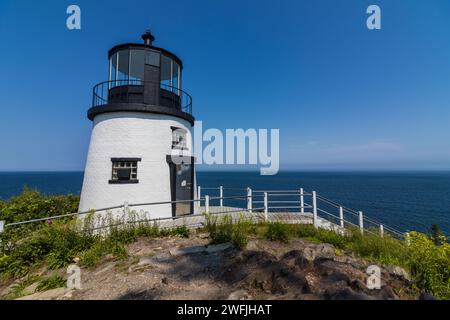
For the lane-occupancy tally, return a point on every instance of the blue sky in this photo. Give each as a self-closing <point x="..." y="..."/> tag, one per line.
<point x="343" y="97"/>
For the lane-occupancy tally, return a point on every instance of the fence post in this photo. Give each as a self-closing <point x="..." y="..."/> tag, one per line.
<point x="381" y="230"/>
<point x="266" y="207"/>
<point x="314" y="204"/>
<point x="2" y="226"/>
<point x="341" y="216"/>
<point x="199" y="193"/>
<point x="206" y="204"/>
<point x="302" y="202"/>
<point x="221" y="196"/>
<point x="361" y="222"/>
<point x="249" y="200"/>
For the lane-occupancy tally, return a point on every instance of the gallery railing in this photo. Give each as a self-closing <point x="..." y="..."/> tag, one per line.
<point x="143" y="92"/>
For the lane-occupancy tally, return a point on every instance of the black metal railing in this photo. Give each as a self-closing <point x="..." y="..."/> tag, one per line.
<point x="138" y="91"/>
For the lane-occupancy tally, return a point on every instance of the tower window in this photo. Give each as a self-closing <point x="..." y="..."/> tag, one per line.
<point x="179" y="138"/>
<point x="124" y="170"/>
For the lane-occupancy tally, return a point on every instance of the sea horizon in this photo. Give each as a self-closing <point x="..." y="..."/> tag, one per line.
<point x="405" y="199"/>
<point x="257" y="170"/>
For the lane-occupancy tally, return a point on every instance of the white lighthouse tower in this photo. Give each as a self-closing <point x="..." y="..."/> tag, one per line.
<point x="141" y="143"/>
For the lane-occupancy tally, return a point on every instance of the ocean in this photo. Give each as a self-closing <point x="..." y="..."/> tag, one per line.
<point x="405" y="200"/>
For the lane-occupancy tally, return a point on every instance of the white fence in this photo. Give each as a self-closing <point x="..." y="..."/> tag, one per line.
<point x="290" y="206"/>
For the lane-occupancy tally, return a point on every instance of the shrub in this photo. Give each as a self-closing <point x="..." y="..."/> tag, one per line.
<point x="17" y="290"/>
<point x="277" y="231"/>
<point x="331" y="237"/>
<point x="52" y="282"/>
<point x="386" y="250"/>
<point x="305" y="231"/>
<point x="430" y="264"/>
<point x="226" y="231"/>
<point x="31" y="204"/>
<point x="437" y="236"/>
<point x="181" y="231"/>
<point x="60" y="242"/>
<point x="241" y="229"/>
<point x="282" y="232"/>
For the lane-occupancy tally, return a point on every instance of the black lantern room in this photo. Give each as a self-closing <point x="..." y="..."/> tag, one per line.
<point x="143" y="78"/>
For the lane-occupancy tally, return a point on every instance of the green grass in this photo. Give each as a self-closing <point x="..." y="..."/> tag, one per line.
<point x="226" y="230"/>
<point x="278" y="231"/>
<point x="17" y="290"/>
<point x="52" y="282"/>
<point x="57" y="245"/>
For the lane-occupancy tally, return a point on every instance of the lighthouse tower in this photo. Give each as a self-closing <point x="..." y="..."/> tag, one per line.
<point x="141" y="142"/>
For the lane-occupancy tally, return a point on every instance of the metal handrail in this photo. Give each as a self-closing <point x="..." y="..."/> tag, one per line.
<point x="250" y="197"/>
<point x="101" y="93"/>
<point x="356" y="214"/>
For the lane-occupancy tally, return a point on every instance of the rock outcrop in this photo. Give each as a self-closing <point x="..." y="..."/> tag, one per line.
<point x="179" y="268"/>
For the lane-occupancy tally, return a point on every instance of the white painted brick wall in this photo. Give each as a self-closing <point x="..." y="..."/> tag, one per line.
<point x="131" y="134"/>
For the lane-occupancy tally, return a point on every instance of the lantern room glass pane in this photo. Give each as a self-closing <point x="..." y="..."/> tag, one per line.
<point x="175" y="73"/>
<point x="137" y="62"/>
<point x="124" y="62"/>
<point x="152" y="58"/>
<point x="166" y="73"/>
<point x="113" y="67"/>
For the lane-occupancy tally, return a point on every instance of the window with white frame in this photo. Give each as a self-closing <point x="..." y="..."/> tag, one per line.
<point x="124" y="170"/>
<point x="179" y="138"/>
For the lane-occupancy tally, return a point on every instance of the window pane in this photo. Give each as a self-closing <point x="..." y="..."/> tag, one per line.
<point x="124" y="170"/>
<point x="175" y="70"/>
<point x="123" y="66"/>
<point x="113" y="68"/>
<point x="179" y="139"/>
<point x="166" y="70"/>
<point x="152" y="58"/>
<point x="137" y="65"/>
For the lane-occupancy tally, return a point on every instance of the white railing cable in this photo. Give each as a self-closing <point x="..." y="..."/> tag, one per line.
<point x="267" y="199"/>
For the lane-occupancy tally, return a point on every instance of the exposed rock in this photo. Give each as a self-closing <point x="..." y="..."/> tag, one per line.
<point x="68" y="294"/>
<point x="326" y="267"/>
<point x="308" y="296"/>
<point x="325" y="251"/>
<point x="161" y="258"/>
<point x="386" y="293"/>
<point x="347" y="294"/>
<point x="301" y="258"/>
<point x="187" y="268"/>
<point x="426" y="296"/>
<point x="186" y="250"/>
<point x="358" y="285"/>
<point x="176" y="251"/>
<point x="218" y="247"/>
<point x="105" y="269"/>
<point x="52" y="294"/>
<point x="309" y="254"/>
<point x="252" y="245"/>
<point x="331" y="284"/>
<point x="239" y="295"/>
<point x="8" y="289"/>
<point x="399" y="272"/>
<point x="30" y="289"/>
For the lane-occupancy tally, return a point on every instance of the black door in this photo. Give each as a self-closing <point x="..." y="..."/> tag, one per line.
<point x="182" y="187"/>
